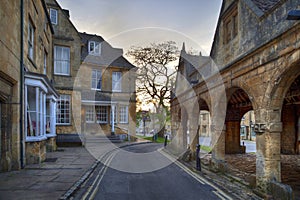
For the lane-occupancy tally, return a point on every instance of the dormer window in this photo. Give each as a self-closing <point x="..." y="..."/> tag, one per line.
<point x="53" y="16"/>
<point x="230" y="24"/>
<point x="94" y="48"/>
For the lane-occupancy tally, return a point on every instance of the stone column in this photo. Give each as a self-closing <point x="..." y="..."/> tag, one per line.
<point x="267" y="148"/>
<point x="193" y="130"/>
<point x="184" y="132"/>
<point x="218" y="152"/>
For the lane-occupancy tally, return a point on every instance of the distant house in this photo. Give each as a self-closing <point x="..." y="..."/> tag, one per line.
<point x="107" y="82"/>
<point x="66" y="63"/>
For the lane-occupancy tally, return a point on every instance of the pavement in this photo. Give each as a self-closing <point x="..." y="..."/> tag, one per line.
<point x="66" y="169"/>
<point x="57" y="178"/>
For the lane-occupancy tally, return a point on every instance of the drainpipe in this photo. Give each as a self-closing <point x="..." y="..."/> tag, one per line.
<point x="21" y="84"/>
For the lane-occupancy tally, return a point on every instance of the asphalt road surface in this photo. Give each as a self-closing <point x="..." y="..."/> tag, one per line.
<point x="145" y="172"/>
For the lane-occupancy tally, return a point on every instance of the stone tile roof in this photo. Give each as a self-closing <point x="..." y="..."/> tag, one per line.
<point x="121" y="61"/>
<point x="109" y="56"/>
<point x="265" y="5"/>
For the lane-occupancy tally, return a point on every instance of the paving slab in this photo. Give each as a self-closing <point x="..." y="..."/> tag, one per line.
<point x="48" y="180"/>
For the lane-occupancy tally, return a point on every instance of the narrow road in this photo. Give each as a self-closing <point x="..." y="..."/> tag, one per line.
<point x="146" y="172"/>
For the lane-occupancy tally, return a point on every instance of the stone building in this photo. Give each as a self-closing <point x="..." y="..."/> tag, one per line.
<point x="66" y="64"/>
<point x="92" y="79"/>
<point x="27" y="95"/>
<point x="254" y="65"/>
<point x="107" y="82"/>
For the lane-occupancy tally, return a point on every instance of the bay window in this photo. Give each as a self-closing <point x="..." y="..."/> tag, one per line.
<point x="39" y="110"/>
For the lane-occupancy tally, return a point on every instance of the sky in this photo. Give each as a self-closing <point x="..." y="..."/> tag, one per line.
<point x="126" y="23"/>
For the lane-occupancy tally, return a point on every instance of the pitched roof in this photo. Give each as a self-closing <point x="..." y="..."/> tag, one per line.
<point x="86" y="37"/>
<point x="109" y="56"/>
<point x="121" y="61"/>
<point x="265" y="5"/>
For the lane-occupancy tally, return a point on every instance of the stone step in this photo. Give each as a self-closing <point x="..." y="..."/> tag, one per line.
<point x="104" y="139"/>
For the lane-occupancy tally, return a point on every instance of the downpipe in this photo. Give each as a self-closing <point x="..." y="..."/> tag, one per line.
<point x="21" y="85"/>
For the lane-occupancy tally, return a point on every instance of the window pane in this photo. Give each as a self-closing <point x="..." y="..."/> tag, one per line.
<point x="53" y="16"/>
<point x="62" y="60"/>
<point x="123" y="114"/>
<point x="63" y="112"/>
<point x="116" y="81"/>
<point x="96" y="80"/>
<point x="101" y="113"/>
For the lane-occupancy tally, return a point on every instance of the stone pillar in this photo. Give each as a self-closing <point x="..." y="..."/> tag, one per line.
<point x="184" y="132"/>
<point x="218" y="152"/>
<point x="267" y="149"/>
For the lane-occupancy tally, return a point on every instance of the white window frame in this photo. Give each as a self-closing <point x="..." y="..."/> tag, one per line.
<point x="115" y="115"/>
<point x="117" y="81"/>
<point x="89" y="114"/>
<point x="53" y="16"/>
<point x="61" y="62"/>
<point x="102" y="112"/>
<point x="96" y="48"/>
<point x="37" y="130"/>
<point x="66" y="115"/>
<point x="123" y="114"/>
<point x="96" y="80"/>
<point x="30" y="40"/>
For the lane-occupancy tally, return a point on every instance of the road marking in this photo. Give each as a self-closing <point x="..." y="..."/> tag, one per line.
<point x="196" y="176"/>
<point x="93" y="189"/>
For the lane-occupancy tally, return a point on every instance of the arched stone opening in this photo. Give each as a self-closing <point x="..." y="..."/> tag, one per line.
<point x="199" y="125"/>
<point x="247" y="133"/>
<point x="290" y="137"/>
<point x="277" y="117"/>
<point x="238" y="105"/>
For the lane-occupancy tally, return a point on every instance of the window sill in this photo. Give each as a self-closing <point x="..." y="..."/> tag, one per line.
<point x="36" y="139"/>
<point x="102" y="122"/>
<point x="95" y="89"/>
<point x="63" y="124"/>
<point x="66" y="75"/>
<point x="50" y="135"/>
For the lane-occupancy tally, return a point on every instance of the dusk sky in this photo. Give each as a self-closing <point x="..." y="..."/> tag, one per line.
<point x="124" y="23"/>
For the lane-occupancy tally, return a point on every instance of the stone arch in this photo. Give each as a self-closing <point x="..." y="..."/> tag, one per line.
<point x="283" y="79"/>
<point x="194" y="126"/>
<point x="238" y="103"/>
<point x="269" y="116"/>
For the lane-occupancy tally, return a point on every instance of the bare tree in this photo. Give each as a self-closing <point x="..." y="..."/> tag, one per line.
<point x="155" y="74"/>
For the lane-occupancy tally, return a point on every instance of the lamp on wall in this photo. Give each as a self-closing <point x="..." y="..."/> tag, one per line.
<point x="293" y="15"/>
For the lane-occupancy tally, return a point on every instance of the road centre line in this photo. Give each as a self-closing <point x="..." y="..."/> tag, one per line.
<point x="94" y="187"/>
